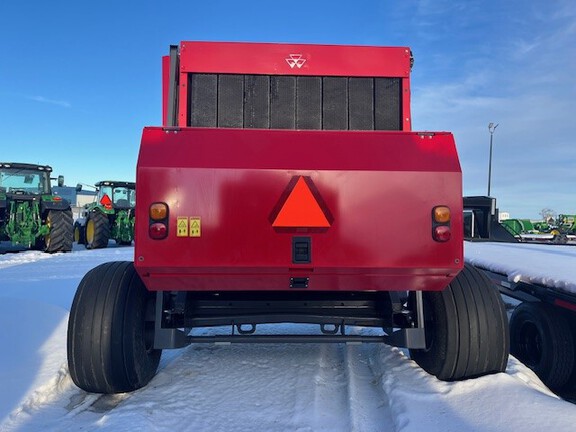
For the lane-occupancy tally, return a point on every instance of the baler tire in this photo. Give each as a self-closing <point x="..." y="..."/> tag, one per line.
<point x="111" y="331"/>
<point x="541" y="338"/>
<point x="466" y="329"/>
<point x="79" y="234"/>
<point x="60" y="237"/>
<point x="97" y="230"/>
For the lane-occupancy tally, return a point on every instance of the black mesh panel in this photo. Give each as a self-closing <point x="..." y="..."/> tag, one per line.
<point x="387" y="101"/>
<point x="290" y="102"/>
<point x="203" y="100"/>
<point x="335" y="103"/>
<point x="257" y="101"/>
<point x="309" y="103"/>
<point x="230" y="101"/>
<point x="283" y="102"/>
<point x="361" y="113"/>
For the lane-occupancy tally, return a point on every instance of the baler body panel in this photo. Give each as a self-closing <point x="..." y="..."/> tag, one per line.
<point x="304" y="62"/>
<point x="375" y="189"/>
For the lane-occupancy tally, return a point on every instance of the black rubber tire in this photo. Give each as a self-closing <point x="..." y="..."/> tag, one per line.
<point x="570" y="386"/>
<point x="60" y="237"/>
<point x="97" y="230"/>
<point x="111" y="331"/>
<point x="79" y="233"/>
<point x="541" y="338"/>
<point x="466" y="329"/>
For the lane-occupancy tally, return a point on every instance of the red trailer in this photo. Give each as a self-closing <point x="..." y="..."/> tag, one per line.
<point x="286" y="185"/>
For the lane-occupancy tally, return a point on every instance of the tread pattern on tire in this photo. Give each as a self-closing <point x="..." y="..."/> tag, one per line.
<point x="107" y="350"/>
<point x="61" y="233"/>
<point x="467" y="329"/>
<point x="101" y="230"/>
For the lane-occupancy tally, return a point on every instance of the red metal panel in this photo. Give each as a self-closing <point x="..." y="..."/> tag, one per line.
<point x="379" y="187"/>
<point x="165" y="88"/>
<point x="406" y="116"/>
<point x="183" y="99"/>
<point x="294" y="59"/>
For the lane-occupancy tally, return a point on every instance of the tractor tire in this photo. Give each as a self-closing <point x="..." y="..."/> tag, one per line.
<point x="541" y="338"/>
<point x="60" y="237"/>
<point x="466" y="329"/>
<point x="97" y="230"/>
<point x="111" y="331"/>
<point x="79" y="233"/>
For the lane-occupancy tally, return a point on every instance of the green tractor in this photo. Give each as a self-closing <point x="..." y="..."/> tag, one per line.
<point x="110" y="216"/>
<point x="31" y="216"/>
<point x="557" y="231"/>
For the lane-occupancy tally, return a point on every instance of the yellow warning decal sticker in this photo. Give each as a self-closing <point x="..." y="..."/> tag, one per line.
<point x="195" y="227"/>
<point x="182" y="227"/>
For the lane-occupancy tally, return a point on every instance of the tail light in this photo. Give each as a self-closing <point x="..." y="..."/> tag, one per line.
<point x="158" y="221"/>
<point x="441" y="231"/>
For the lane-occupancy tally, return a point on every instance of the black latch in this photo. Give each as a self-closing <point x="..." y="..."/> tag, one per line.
<point x="299" y="282"/>
<point x="301" y="250"/>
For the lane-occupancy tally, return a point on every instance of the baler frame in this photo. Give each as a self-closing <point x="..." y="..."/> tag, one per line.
<point x="269" y="195"/>
<point x="400" y="328"/>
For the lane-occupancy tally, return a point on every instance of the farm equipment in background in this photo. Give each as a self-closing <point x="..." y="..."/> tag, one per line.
<point x="558" y="231"/>
<point x="273" y="194"/>
<point x="31" y="216"/>
<point x="110" y="216"/>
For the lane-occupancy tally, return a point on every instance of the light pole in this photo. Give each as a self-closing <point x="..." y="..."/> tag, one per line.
<point x="491" y="128"/>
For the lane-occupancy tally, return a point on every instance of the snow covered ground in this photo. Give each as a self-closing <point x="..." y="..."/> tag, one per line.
<point x="246" y="387"/>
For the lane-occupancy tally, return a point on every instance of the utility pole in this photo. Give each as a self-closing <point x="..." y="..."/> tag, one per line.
<point x="491" y="128"/>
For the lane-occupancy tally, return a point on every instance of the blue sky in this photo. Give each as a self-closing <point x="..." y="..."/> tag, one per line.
<point x="80" y="79"/>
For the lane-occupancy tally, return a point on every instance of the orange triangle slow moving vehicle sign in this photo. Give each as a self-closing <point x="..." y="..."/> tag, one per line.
<point x="301" y="208"/>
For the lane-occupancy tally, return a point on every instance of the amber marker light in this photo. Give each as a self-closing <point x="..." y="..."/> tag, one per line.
<point x="441" y="214"/>
<point x="158" y="211"/>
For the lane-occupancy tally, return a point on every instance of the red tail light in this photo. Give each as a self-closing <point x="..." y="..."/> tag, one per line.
<point x="157" y="231"/>
<point x="442" y="233"/>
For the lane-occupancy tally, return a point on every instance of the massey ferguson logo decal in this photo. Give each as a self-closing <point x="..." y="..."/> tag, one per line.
<point x="295" y="60"/>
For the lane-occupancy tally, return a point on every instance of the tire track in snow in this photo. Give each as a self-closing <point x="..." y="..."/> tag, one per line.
<point x="368" y="402"/>
<point x="348" y="395"/>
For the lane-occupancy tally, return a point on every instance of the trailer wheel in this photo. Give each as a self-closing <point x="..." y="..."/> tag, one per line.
<point x="97" y="230"/>
<point x="59" y="238"/>
<point x="79" y="233"/>
<point x="466" y="329"/>
<point x="571" y="384"/>
<point x="541" y="338"/>
<point x="111" y="331"/>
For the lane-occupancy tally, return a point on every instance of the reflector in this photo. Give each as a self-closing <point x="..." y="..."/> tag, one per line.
<point x="301" y="209"/>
